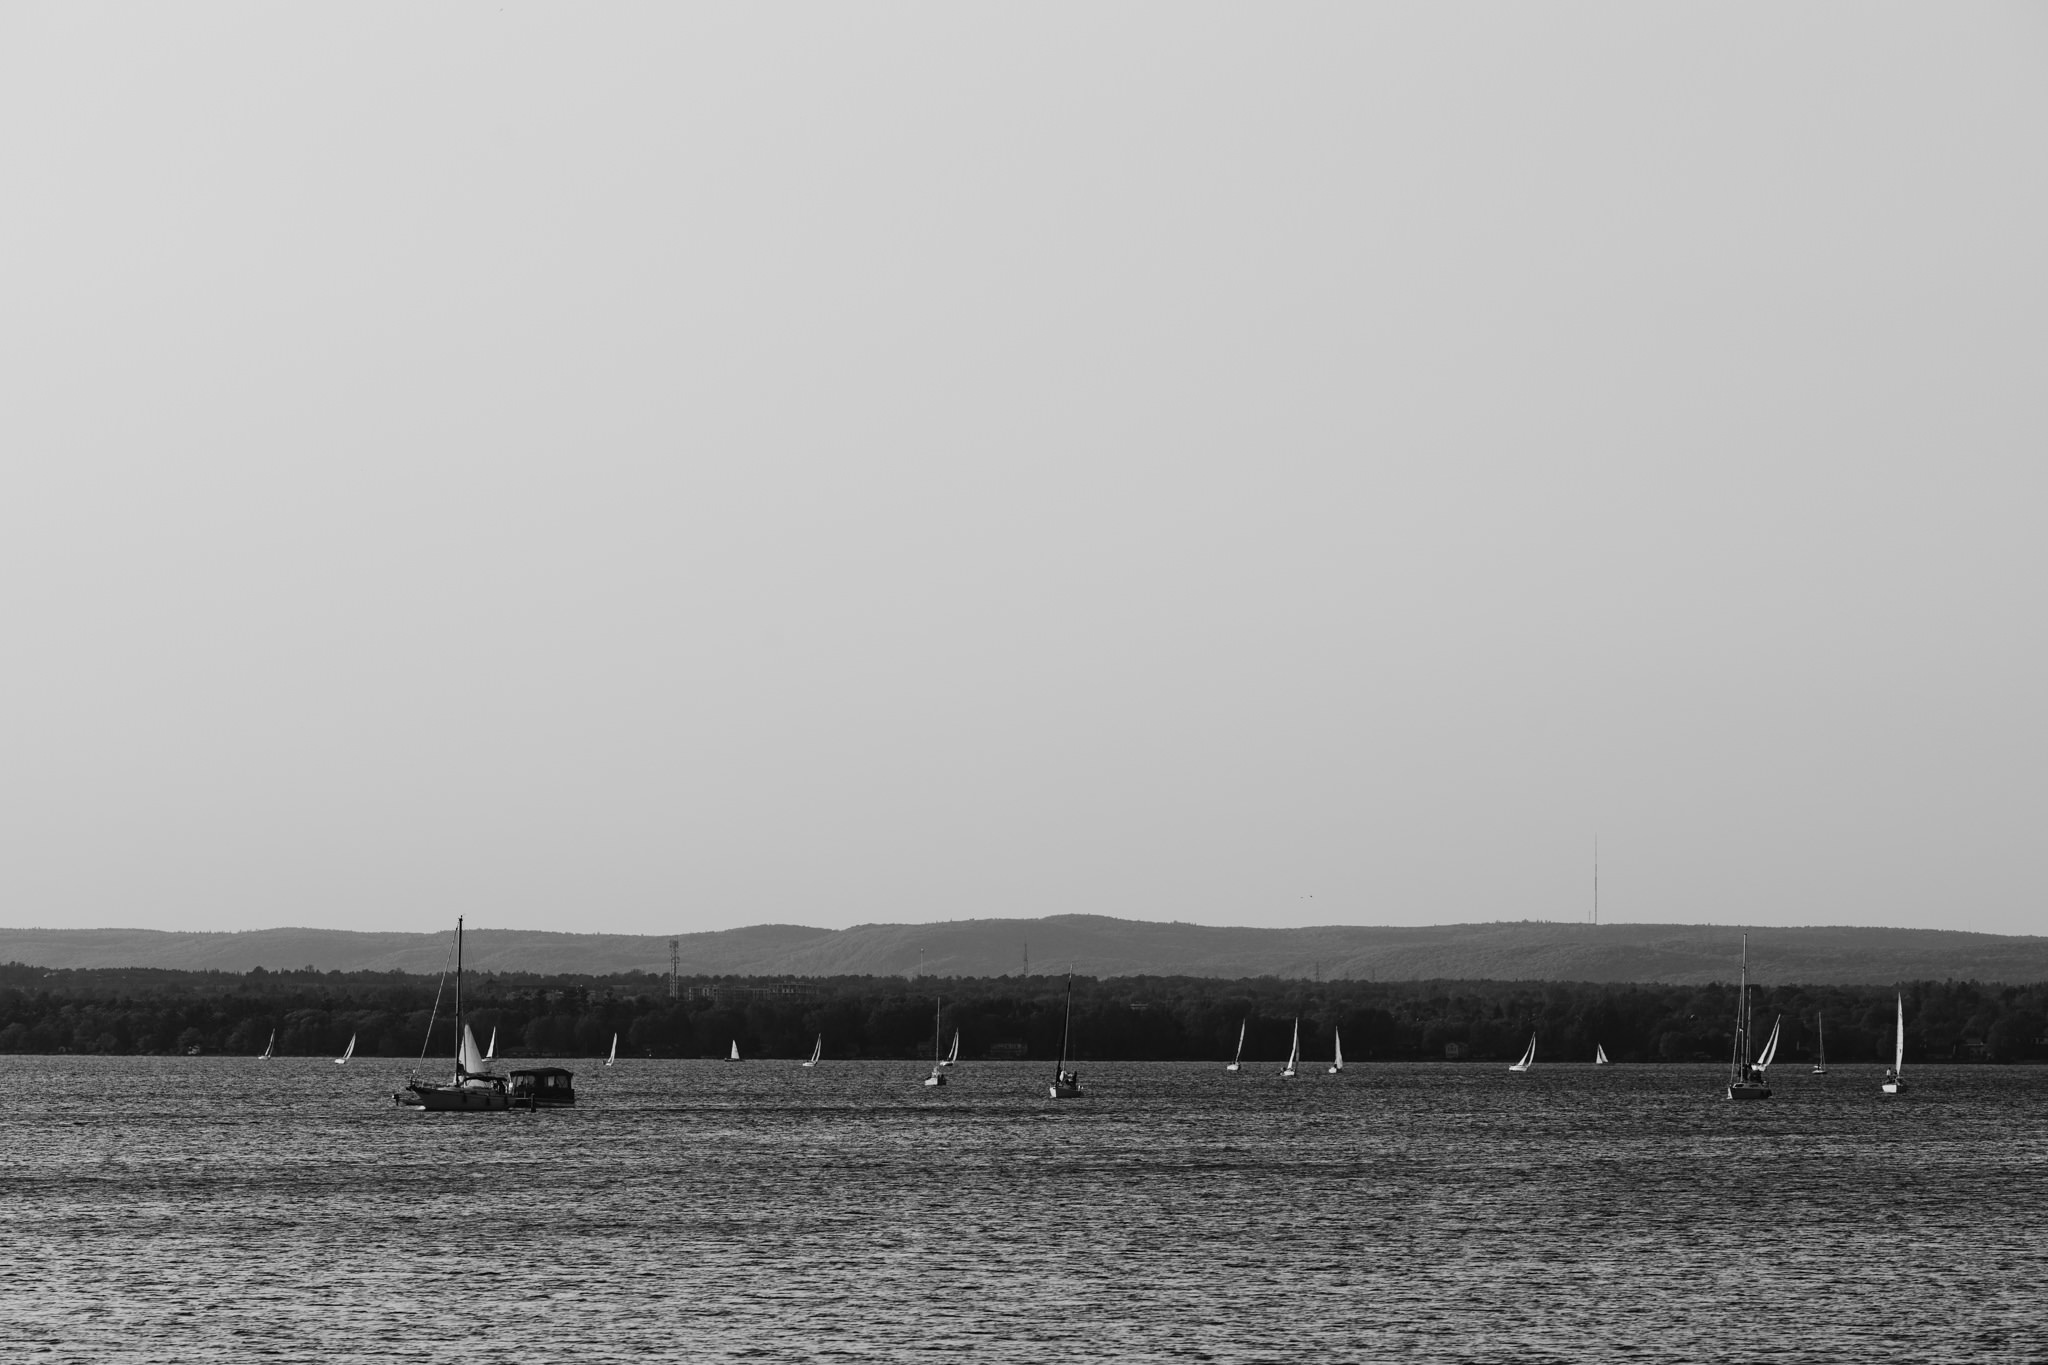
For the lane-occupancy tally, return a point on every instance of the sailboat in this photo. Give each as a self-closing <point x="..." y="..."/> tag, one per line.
<point x="1337" y="1066"/>
<point x="1745" y="1080"/>
<point x="269" y="1048"/>
<point x="953" y="1055"/>
<point x="613" y="1059"/>
<point x="472" y="1087"/>
<point x="1528" y="1058"/>
<point x="938" y="1076"/>
<point x="817" y="1052"/>
<point x="491" y="1048"/>
<point x="1293" y="1066"/>
<point x="1600" y="1056"/>
<point x="735" y="1051"/>
<point x="347" y="1052"/>
<point x="1895" y="1079"/>
<point x="1820" y="1047"/>
<point x="1066" y="1084"/>
<point x="1237" y="1062"/>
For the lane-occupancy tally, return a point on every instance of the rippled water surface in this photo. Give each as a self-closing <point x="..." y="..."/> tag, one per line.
<point x="227" y="1209"/>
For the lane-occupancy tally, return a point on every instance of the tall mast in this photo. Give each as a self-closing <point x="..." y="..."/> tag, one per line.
<point x="1067" y="1025"/>
<point x="458" y="993"/>
<point x="1596" y="879"/>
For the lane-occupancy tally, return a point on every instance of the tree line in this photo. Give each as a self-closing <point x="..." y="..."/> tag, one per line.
<point x="311" y="1013"/>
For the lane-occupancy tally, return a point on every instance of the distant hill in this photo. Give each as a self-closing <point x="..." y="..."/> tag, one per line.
<point x="1094" y="945"/>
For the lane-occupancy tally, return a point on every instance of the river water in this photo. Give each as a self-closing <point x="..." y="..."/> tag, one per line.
<point x="224" y="1209"/>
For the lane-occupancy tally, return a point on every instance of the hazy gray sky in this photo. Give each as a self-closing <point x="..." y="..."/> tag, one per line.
<point x="683" y="466"/>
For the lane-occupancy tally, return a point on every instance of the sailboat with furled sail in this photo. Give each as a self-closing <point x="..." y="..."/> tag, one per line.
<point x="1745" y="1078"/>
<point x="269" y="1048"/>
<point x="1066" y="1084"/>
<point x="1237" y="1062"/>
<point x="1820" y="1047"/>
<point x="1293" y="1067"/>
<point x="472" y="1088"/>
<point x="1894" y="1079"/>
<point x="1528" y="1058"/>
<point x="614" y="1058"/>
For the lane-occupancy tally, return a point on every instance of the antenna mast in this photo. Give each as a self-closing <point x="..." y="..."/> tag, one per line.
<point x="1596" y="879"/>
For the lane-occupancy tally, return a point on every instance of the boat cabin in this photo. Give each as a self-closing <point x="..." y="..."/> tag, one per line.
<point x="543" y="1085"/>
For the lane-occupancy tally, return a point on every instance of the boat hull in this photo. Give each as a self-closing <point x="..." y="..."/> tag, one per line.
<point x="1063" y="1092"/>
<point x="454" y="1099"/>
<point x="1233" y="1067"/>
<point x="1892" y="1087"/>
<point x="1749" y="1092"/>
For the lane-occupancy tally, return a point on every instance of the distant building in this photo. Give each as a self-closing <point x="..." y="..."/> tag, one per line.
<point x="1008" y="1052"/>
<point x="1453" y="1051"/>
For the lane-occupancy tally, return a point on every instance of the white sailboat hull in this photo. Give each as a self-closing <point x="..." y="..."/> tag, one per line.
<point x="1061" y="1091"/>
<point x="936" y="1078"/>
<point x="1748" y="1091"/>
<point x="1234" y="1066"/>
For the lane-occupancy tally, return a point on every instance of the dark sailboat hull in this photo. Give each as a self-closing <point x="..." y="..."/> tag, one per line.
<point x="465" y="1099"/>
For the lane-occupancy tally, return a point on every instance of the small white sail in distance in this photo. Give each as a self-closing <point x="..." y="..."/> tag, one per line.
<point x="270" y="1048"/>
<point x="615" y="1051"/>
<point x="735" y="1051"/>
<point x="1600" y="1055"/>
<point x="491" y="1048"/>
<point x="1528" y="1058"/>
<point x="1237" y="1062"/>
<point x="1770" y="1051"/>
<point x="817" y="1051"/>
<point x="953" y="1056"/>
<point x="1294" y="1052"/>
<point x="1896" y="1079"/>
<point x="348" y="1051"/>
<point x="1337" y="1065"/>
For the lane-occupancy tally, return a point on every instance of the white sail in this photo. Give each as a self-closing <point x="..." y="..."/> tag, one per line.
<point x="469" y="1060"/>
<point x="1599" y="1055"/>
<point x="491" y="1048"/>
<point x="1337" y="1064"/>
<point x="1294" y="1052"/>
<point x="1238" y="1060"/>
<point x="817" y="1051"/>
<point x="1528" y="1058"/>
<point x="348" y="1051"/>
<point x="1770" y="1051"/>
<point x="953" y="1056"/>
<point x="1899" y="1047"/>
<point x="735" y="1051"/>
<point x="269" y="1048"/>
<point x="615" y="1051"/>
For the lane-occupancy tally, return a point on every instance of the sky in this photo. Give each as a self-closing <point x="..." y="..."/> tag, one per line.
<point x="662" y="468"/>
